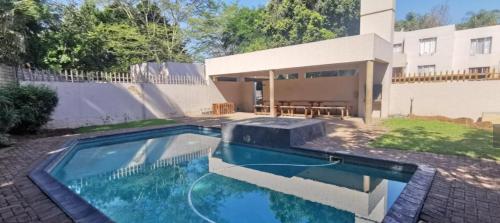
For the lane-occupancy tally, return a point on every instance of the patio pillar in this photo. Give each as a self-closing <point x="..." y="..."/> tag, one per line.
<point x="366" y="183"/>
<point x="369" y="91"/>
<point x="271" y="93"/>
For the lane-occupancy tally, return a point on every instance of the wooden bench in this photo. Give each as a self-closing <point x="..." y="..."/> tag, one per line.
<point x="261" y="109"/>
<point x="289" y="110"/>
<point x="344" y="111"/>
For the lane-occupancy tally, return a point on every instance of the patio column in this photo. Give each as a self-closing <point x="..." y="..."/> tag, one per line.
<point x="366" y="183"/>
<point x="369" y="91"/>
<point x="271" y="93"/>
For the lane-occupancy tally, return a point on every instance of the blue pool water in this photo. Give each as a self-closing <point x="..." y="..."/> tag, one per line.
<point x="152" y="178"/>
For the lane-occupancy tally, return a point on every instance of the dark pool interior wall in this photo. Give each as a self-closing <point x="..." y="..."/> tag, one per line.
<point x="273" y="132"/>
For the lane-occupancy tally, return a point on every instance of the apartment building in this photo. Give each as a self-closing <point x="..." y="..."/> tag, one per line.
<point x="445" y="48"/>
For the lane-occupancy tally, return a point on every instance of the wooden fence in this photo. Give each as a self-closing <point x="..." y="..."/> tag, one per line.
<point x="24" y="74"/>
<point x="445" y="76"/>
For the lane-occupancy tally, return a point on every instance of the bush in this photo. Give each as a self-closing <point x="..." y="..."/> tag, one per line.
<point x="31" y="106"/>
<point x="8" y="118"/>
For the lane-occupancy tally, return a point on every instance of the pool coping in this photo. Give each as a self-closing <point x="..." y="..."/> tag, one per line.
<point x="406" y="208"/>
<point x="409" y="204"/>
<point x="71" y="203"/>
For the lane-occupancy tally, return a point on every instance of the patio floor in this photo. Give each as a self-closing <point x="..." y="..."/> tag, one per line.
<point x="464" y="190"/>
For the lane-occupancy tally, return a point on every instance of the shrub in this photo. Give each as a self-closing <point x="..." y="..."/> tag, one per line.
<point x="8" y="118"/>
<point x="32" y="105"/>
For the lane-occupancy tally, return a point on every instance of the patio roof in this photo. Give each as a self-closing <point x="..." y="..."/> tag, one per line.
<point x="367" y="47"/>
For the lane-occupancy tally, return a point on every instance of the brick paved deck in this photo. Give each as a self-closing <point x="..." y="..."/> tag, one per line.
<point x="464" y="190"/>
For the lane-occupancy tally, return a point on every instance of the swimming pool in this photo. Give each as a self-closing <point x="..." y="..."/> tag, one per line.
<point x="187" y="174"/>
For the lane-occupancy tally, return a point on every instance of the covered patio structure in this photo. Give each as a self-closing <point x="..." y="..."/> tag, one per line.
<point x="354" y="70"/>
<point x="351" y="70"/>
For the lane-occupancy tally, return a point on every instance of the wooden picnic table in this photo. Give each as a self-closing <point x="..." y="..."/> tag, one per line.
<point x="339" y="105"/>
<point x="310" y="107"/>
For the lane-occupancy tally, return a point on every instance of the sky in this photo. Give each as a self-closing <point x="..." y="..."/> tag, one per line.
<point x="458" y="8"/>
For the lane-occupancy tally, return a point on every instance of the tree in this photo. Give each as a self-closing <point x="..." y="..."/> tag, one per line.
<point x="117" y="33"/>
<point x="113" y="37"/>
<point x="438" y="16"/>
<point x="229" y="29"/>
<point x="20" y="23"/>
<point x="342" y="16"/>
<point x="206" y="30"/>
<point x="164" y="37"/>
<point x="242" y="31"/>
<point x="288" y="22"/>
<point x="481" y="19"/>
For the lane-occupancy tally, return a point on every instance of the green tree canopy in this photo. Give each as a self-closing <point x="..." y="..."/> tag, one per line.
<point x="290" y="22"/>
<point x="230" y="29"/>
<point x="480" y="19"/>
<point x="111" y="35"/>
<point x="20" y="23"/>
<point x="438" y="16"/>
<point x="112" y="38"/>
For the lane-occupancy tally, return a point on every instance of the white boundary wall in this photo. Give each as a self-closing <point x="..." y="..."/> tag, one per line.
<point x="451" y="99"/>
<point x="83" y="104"/>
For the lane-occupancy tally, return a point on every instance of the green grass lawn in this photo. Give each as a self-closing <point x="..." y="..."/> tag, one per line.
<point x="437" y="137"/>
<point x="134" y="124"/>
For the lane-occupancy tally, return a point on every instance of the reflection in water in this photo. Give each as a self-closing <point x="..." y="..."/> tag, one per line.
<point x="147" y="180"/>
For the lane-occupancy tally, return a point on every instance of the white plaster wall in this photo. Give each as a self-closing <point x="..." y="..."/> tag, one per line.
<point x="164" y="100"/>
<point x="333" y="51"/>
<point x="462" y="59"/>
<point x="452" y="99"/>
<point x="453" y="48"/>
<point x="442" y="58"/>
<point x="82" y="104"/>
<point x="378" y="17"/>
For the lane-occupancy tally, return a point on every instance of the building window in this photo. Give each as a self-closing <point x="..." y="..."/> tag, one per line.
<point x="331" y="73"/>
<point x="480" y="46"/>
<point x="397" y="71"/>
<point x="427" y="69"/>
<point x="428" y="46"/>
<point x="398" y="48"/>
<point x="227" y="79"/>
<point x="287" y="76"/>
<point x="479" y="70"/>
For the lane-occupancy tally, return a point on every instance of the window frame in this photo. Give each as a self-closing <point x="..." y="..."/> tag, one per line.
<point x="401" y="46"/>
<point x="227" y="79"/>
<point x="288" y="76"/>
<point x="432" y="50"/>
<point x="398" y="74"/>
<point x="484" y="70"/>
<point x="331" y="73"/>
<point x="426" y="67"/>
<point x="477" y="43"/>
